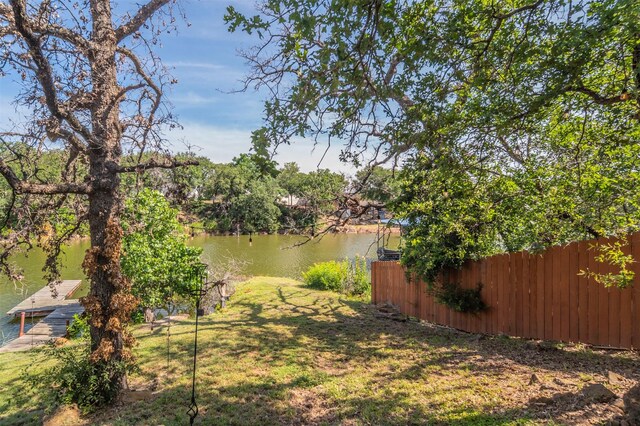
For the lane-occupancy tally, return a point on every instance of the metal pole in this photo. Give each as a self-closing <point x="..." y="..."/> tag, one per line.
<point x="33" y="301"/>
<point x="168" y="335"/>
<point x="193" y="407"/>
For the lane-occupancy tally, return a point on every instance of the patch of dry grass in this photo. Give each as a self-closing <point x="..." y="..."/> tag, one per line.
<point x="285" y="354"/>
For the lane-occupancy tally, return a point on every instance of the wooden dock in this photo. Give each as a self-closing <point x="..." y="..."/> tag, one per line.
<point x="51" y="327"/>
<point x="43" y="302"/>
<point x="58" y="310"/>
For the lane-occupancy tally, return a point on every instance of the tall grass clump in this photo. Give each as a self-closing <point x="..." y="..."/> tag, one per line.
<point x="358" y="282"/>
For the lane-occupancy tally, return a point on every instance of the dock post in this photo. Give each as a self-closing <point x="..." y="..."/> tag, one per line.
<point x="22" y="315"/>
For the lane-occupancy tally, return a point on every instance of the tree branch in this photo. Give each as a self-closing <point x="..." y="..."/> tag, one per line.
<point x="597" y="98"/>
<point x="153" y="164"/>
<point x="22" y="187"/>
<point x="519" y="9"/>
<point x="144" y="13"/>
<point x="44" y="72"/>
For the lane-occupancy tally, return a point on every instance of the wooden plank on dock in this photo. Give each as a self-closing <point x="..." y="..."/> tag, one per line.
<point x="49" y="328"/>
<point x="43" y="300"/>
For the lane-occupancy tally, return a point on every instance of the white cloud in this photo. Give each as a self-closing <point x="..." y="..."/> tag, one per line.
<point x="191" y="98"/>
<point x="222" y="144"/>
<point x="201" y="65"/>
<point x="218" y="143"/>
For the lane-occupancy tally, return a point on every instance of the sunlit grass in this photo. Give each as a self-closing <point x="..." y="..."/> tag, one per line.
<point x="285" y="354"/>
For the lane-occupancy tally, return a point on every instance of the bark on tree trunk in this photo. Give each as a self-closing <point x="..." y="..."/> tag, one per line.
<point x="109" y="302"/>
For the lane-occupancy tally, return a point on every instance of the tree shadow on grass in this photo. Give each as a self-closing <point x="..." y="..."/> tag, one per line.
<point x="311" y="345"/>
<point x="292" y="403"/>
<point x="347" y="332"/>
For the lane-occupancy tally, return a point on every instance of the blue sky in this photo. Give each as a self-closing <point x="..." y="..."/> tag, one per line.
<point x="203" y="57"/>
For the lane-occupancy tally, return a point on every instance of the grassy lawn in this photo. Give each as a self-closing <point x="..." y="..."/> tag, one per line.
<point x="284" y="354"/>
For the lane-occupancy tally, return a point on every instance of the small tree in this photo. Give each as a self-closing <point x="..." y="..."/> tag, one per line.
<point x="155" y="256"/>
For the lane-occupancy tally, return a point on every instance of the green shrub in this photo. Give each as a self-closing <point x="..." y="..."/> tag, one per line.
<point x="137" y="316"/>
<point x="348" y="277"/>
<point x="75" y="379"/>
<point x="210" y="226"/>
<point x="326" y="275"/>
<point x="453" y="296"/>
<point x="79" y="327"/>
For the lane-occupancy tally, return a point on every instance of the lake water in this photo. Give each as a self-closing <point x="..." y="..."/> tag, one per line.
<point x="273" y="255"/>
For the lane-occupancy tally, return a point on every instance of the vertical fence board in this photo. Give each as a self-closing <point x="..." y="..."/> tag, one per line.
<point x="603" y="303"/>
<point x="482" y="278"/>
<point x="472" y="320"/>
<point x="548" y="294"/>
<point x="526" y="296"/>
<point x="574" y="295"/>
<point x="635" y="302"/>
<point x="614" y="314"/>
<point x="417" y="297"/>
<point x="594" y="304"/>
<point x="375" y="277"/>
<point x="491" y="310"/>
<point x="582" y="284"/>
<point x="373" y="283"/>
<point x="509" y="320"/>
<point x="541" y="296"/>
<point x="511" y="295"/>
<point x="498" y="267"/>
<point x="437" y="307"/>
<point x="467" y="278"/>
<point x="462" y="277"/>
<point x="456" y="320"/>
<point x="533" y="295"/>
<point x="400" y="289"/>
<point x="565" y="295"/>
<point x="497" y="307"/>
<point x="626" y="314"/>
<point x="432" y="307"/>
<point x="556" y="283"/>
<point x="407" y="294"/>
<point x="626" y="311"/>
<point x="491" y="299"/>
<point x="506" y="286"/>
<point x="506" y="289"/>
<point x="502" y="303"/>
<point x="516" y="288"/>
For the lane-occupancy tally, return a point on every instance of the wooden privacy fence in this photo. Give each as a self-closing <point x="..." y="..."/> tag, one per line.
<point x="530" y="295"/>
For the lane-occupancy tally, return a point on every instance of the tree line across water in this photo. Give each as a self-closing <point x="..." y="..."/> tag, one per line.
<point x="249" y="194"/>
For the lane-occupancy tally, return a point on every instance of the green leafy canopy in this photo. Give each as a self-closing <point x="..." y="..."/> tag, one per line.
<point x="155" y="255"/>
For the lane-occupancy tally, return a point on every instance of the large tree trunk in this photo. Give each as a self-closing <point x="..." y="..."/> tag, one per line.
<point x="110" y="302"/>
